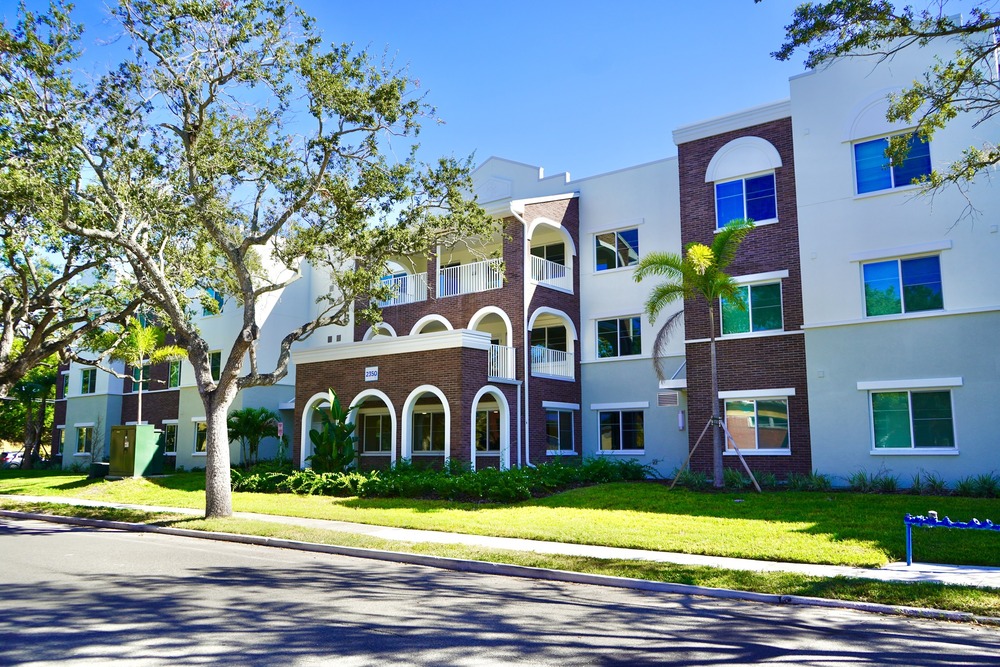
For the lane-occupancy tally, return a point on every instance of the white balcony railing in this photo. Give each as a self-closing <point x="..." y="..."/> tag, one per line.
<point x="549" y="273"/>
<point x="408" y="289"/>
<point x="501" y="362"/>
<point x="470" y="278"/>
<point x="551" y="362"/>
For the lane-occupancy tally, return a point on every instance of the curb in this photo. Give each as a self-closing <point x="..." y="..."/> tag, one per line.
<point x="522" y="571"/>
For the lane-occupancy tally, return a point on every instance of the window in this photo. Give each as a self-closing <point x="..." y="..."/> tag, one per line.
<point x="174" y="375"/>
<point x="215" y="362"/>
<point x="761" y="309"/>
<point x="377" y="436"/>
<point x="170" y="439"/>
<point x="143" y="373"/>
<point x="752" y="198"/>
<point x="61" y="442"/>
<point x="200" y="438"/>
<point x="212" y="302"/>
<point x="760" y="424"/>
<point x="621" y="430"/>
<point x="65" y="385"/>
<point x="488" y="428"/>
<point x="615" y="250"/>
<point x="912" y="419"/>
<point x="559" y="431"/>
<point x="428" y="432"/>
<point x="874" y="171"/>
<point x="554" y="252"/>
<point x="88" y="380"/>
<point x="84" y="439"/>
<point x="903" y="286"/>
<point x="619" y="338"/>
<point x="552" y="338"/>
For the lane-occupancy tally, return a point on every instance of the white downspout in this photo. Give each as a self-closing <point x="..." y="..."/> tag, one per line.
<point x="527" y="344"/>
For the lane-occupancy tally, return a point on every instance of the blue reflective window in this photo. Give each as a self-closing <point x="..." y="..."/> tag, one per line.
<point x="874" y="172"/>
<point x="752" y="198"/>
<point x="903" y="286"/>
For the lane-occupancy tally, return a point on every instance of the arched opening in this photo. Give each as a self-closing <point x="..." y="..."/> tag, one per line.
<point x="430" y="324"/>
<point x="552" y="255"/>
<point x="426" y="424"/>
<point x="490" y="429"/>
<point x="553" y="344"/>
<point x="496" y="323"/>
<point x="376" y="428"/>
<point x="380" y="329"/>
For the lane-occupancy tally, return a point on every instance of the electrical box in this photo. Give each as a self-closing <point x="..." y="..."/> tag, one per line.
<point x="136" y="451"/>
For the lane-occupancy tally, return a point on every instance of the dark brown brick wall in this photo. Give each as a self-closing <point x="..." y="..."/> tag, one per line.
<point x="748" y="363"/>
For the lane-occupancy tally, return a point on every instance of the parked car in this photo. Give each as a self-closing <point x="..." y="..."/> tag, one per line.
<point x="11" y="459"/>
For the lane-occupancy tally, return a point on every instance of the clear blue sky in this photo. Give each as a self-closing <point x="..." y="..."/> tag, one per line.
<point x="585" y="87"/>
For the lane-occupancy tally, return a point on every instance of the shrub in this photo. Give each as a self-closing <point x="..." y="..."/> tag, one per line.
<point x="886" y="483"/>
<point x="934" y="485"/>
<point x="965" y="486"/>
<point x="767" y="480"/>
<point x="814" y="481"/>
<point x="734" y="479"/>
<point x="987" y="485"/>
<point x="691" y="479"/>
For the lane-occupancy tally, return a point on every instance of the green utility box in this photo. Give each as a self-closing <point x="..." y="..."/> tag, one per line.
<point x="136" y="451"/>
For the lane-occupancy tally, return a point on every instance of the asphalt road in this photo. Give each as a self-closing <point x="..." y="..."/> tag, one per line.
<point x="79" y="596"/>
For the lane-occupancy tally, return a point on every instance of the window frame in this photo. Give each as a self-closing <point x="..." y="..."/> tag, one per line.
<point x="621" y="432"/>
<point x="219" y="297"/>
<point x="488" y="431"/>
<point x="913" y="448"/>
<point x="743" y="196"/>
<point x="755" y="422"/>
<point x="570" y="415"/>
<point x="618" y="265"/>
<point x="900" y="285"/>
<point x="385" y="423"/>
<point x="215" y="364"/>
<point x="887" y="165"/>
<point x="84" y="445"/>
<point x="200" y="438"/>
<point x="174" y="380"/>
<point x="84" y="383"/>
<point x="433" y="416"/>
<point x="618" y="339"/>
<point x="749" y="310"/>
<point x="145" y="374"/>
<point x="167" y="428"/>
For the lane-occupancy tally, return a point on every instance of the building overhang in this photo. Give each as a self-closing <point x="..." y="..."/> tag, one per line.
<point x="384" y="345"/>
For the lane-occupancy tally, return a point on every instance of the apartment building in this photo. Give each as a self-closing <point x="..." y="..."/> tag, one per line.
<point x="868" y="342"/>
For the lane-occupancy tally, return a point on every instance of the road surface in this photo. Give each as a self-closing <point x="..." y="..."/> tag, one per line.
<point x="79" y="596"/>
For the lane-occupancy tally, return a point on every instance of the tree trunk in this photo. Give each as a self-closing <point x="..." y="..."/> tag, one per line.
<point x="717" y="472"/>
<point x="138" y="401"/>
<point x="218" y="484"/>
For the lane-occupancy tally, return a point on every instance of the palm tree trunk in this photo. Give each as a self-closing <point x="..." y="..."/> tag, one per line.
<point x="138" y="410"/>
<point x="717" y="473"/>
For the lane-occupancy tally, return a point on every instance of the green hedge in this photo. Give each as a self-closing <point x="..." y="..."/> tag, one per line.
<point x="455" y="482"/>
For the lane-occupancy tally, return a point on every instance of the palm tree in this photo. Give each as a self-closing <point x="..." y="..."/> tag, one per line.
<point x="699" y="272"/>
<point x="250" y="426"/>
<point x="139" y="345"/>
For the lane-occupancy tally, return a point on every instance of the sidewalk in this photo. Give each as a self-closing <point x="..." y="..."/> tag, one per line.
<point x="918" y="572"/>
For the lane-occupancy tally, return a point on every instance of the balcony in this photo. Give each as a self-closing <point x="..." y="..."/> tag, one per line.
<point x="470" y="278"/>
<point x="545" y="272"/>
<point x="408" y="289"/>
<point x="501" y="362"/>
<point x="551" y="363"/>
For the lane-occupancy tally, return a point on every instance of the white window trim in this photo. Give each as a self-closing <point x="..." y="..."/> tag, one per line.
<point x="911" y="450"/>
<point x="744" y="177"/>
<point x="593" y="247"/>
<point x="757" y="282"/>
<point x="618" y="226"/>
<point x="632" y="405"/>
<point x="171" y="422"/>
<point x="759" y="393"/>
<point x="929" y="248"/>
<point x="925" y="383"/>
<point x="766" y="277"/>
<point x="893" y="132"/>
<point x="558" y="405"/>
<point x="194" y="442"/>
<point x="84" y="424"/>
<point x="617" y="318"/>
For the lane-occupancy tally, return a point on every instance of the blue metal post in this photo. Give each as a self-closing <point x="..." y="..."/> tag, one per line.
<point x="909" y="544"/>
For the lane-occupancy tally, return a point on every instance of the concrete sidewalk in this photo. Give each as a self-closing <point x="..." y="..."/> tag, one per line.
<point x="926" y="572"/>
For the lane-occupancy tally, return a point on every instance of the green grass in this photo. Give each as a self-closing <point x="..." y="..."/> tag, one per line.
<point x="836" y="528"/>
<point x="982" y="602"/>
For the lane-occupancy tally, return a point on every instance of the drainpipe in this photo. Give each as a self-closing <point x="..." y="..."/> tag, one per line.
<point x="527" y="341"/>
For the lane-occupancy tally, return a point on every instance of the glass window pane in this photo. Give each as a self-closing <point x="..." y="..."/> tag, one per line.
<point x="200" y="437"/>
<point x="556" y="253"/>
<point x="437" y="431"/>
<point x="482" y="430"/>
<point x="736" y="313"/>
<point x="765" y="304"/>
<point x="932" y="421"/>
<point x="605" y="251"/>
<point x="552" y="429"/>
<point x="728" y="202"/>
<point x="772" y="424"/>
<point x="628" y="247"/>
<point x="871" y="166"/>
<point x="882" y="293"/>
<point x="891" y="417"/>
<point x="632" y="430"/>
<point x="610" y="423"/>
<point x="761" y="201"/>
<point x="607" y="338"/>
<point x="174" y="375"/>
<point x="170" y="438"/>
<point x="566" y="431"/>
<point x="922" y="284"/>
<point x="916" y="164"/>
<point x="741" y="423"/>
<point x="629" y="336"/>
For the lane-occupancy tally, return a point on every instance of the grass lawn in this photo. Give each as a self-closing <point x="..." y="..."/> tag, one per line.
<point x="982" y="602"/>
<point x="835" y="528"/>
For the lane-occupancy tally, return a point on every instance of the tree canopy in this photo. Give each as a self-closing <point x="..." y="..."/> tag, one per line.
<point x="967" y="81"/>
<point x="229" y="147"/>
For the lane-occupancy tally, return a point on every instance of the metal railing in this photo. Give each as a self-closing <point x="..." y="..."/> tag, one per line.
<point x="408" y="289"/>
<point x="551" y="362"/>
<point x="470" y="278"/>
<point x="549" y="273"/>
<point x="501" y="362"/>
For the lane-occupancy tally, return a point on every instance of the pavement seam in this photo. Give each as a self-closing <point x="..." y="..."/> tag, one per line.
<point x="523" y="571"/>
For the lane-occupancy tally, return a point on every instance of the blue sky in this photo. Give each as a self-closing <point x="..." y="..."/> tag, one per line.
<point x="585" y="87"/>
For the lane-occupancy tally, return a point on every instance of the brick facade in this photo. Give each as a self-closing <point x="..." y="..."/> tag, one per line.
<point x="745" y="364"/>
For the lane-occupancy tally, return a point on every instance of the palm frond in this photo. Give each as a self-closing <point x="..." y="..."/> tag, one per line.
<point x="662" y="295"/>
<point x="727" y="242"/>
<point x="660" y="264"/>
<point x="660" y="342"/>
